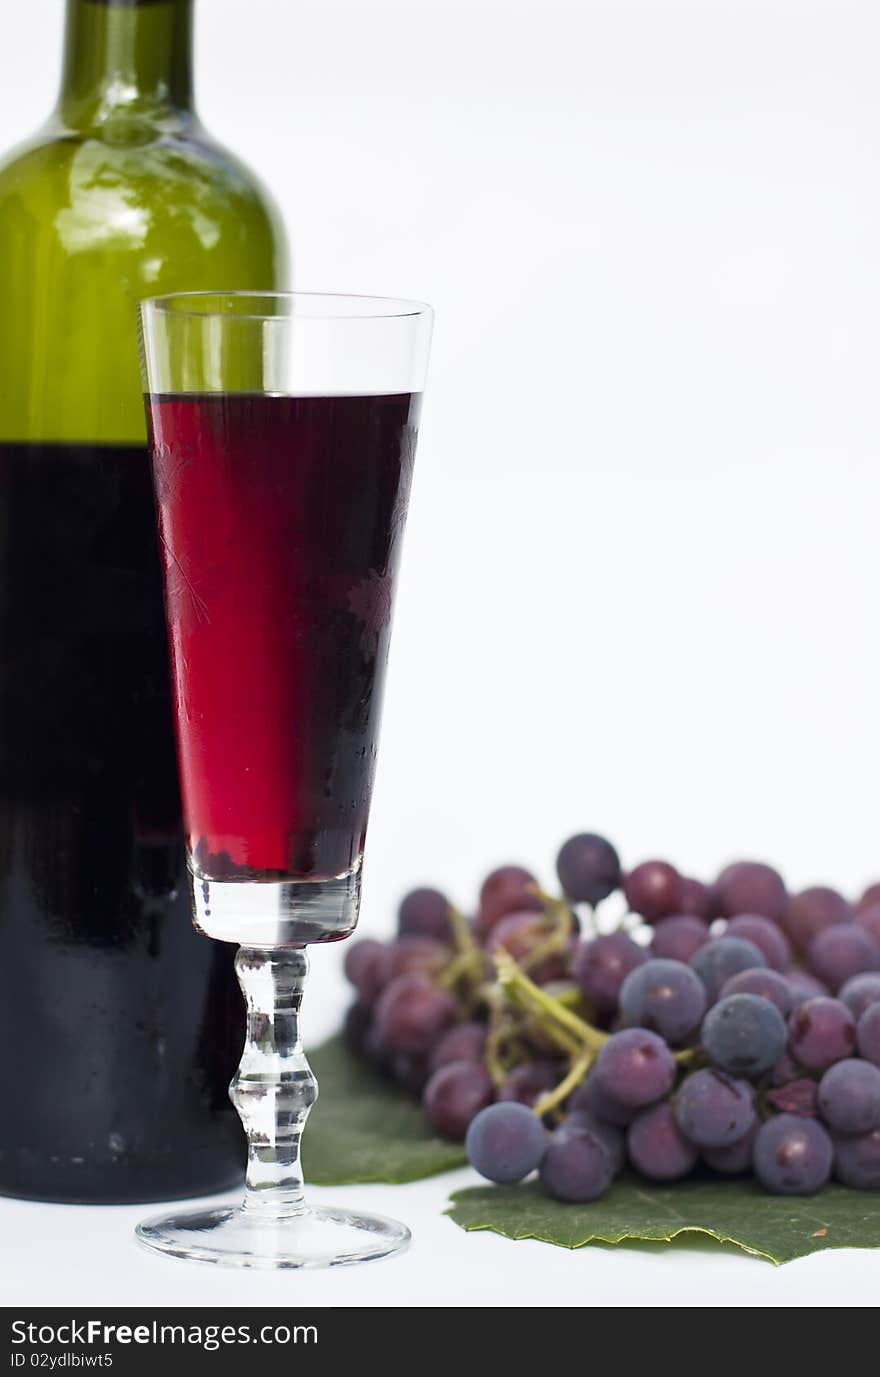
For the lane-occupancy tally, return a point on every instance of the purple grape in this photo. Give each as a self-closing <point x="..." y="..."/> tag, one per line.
<point x="654" y="890"/>
<point x="821" y="1032"/>
<point x="413" y="1073"/>
<point x="857" y="1161"/>
<point x="798" y="1096"/>
<point x="841" y="952"/>
<point x="505" y="1142"/>
<point x="509" y="889"/>
<point x="868" y="1034"/>
<point x="679" y="938"/>
<point x="767" y="936"/>
<point x="591" y="1098"/>
<point x="635" y="1067"/>
<point x="812" y="911"/>
<point x="425" y="913"/>
<point x="417" y="956"/>
<point x="859" y="992"/>
<point x="734" y="1159"/>
<point x="792" y="1156"/>
<point x="528" y="1083"/>
<point x="611" y="1138"/>
<point x="576" y="1166"/>
<point x="751" y="887"/>
<point x="367" y="967"/>
<point x="713" y="1109"/>
<point x="356" y="1025"/>
<point x="849" y="1096"/>
<point x="665" y="996"/>
<point x="870" y="898"/>
<point x="657" y="1147"/>
<point x="869" y="919"/>
<point x="805" y="986"/>
<point x="588" y="868"/>
<point x="744" y="1034"/>
<point x="601" y="965"/>
<point x="723" y="957"/>
<point x="412" y="1014"/>
<point x="697" y="900"/>
<point x="463" y="1042"/>
<point x="762" y="981"/>
<point x="455" y="1095"/>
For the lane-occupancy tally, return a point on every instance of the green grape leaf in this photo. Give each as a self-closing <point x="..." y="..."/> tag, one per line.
<point x="778" y="1228"/>
<point x="365" y="1129"/>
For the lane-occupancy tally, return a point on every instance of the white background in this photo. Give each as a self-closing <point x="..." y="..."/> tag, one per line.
<point x="642" y="565"/>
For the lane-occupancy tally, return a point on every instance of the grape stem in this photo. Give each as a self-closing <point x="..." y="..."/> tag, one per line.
<point x="469" y="964"/>
<point x="569" y="1031"/>
<point x="577" y="1073"/>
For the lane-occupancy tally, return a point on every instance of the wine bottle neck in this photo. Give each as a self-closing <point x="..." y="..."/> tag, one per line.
<point x="130" y="56"/>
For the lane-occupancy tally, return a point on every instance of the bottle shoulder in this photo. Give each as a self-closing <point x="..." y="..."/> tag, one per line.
<point x="144" y="156"/>
<point x="170" y="196"/>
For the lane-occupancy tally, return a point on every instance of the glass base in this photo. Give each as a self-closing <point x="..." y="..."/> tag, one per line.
<point x="234" y="1237"/>
<point x="277" y="913"/>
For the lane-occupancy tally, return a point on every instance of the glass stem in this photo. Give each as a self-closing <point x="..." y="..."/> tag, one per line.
<point x="274" y="1087"/>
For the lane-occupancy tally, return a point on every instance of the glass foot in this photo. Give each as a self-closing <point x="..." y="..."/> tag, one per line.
<point x="234" y="1237"/>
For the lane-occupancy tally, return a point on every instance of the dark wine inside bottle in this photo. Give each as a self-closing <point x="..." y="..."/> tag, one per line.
<point x="119" y="1009"/>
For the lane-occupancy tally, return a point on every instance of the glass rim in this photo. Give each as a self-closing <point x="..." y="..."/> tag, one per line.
<point x="371" y="307"/>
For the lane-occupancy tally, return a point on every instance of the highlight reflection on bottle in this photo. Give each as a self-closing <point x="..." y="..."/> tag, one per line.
<point x="280" y="543"/>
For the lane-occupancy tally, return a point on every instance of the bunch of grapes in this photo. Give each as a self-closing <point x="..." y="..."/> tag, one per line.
<point x="729" y="1027"/>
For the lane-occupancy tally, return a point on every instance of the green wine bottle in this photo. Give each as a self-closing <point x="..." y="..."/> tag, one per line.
<point x="122" y="1026"/>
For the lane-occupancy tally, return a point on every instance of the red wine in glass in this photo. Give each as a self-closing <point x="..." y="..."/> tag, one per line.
<point x="281" y="520"/>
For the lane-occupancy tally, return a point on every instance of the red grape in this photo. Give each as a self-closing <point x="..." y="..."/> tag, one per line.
<point x="812" y="911"/>
<point x="849" y="1096"/>
<point x="601" y="965"/>
<point x="868" y="1034"/>
<point x="505" y="1143"/>
<point x="654" y="890"/>
<point x="414" y="955"/>
<point x="861" y="991"/>
<point x="680" y="937"/>
<point x="869" y="919"/>
<point x="509" y="889"/>
<point x="657" y="1147"/>
<point x="857" y="1160"/>
<point x="766" y="935"/>
<point x="698" y="899"/>
<point x="870" y="898"/>
<point x="577" y="1166"/>
<point x="367" y="966"/>
<point x="463" y="1042"/>
<point x="821" y="1032"/>
<point x="530" y="1081"/>
<point x="792" y="1155"/>
<point x="713" y="1109"/>
<point x="455" y="1095"/>
<point x="841" y="952"/>
<point x="588" y="868"/>
<point x="723" y="957"/>
<point x="760" y="980"/>
<point x="751" y="887"/>
<point x="425" y="913"/>
<point x="411" y="1015"/>
<point x="635" y="1067"/>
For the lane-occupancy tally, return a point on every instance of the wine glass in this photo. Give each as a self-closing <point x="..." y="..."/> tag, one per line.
<point x="283" y="431"/>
